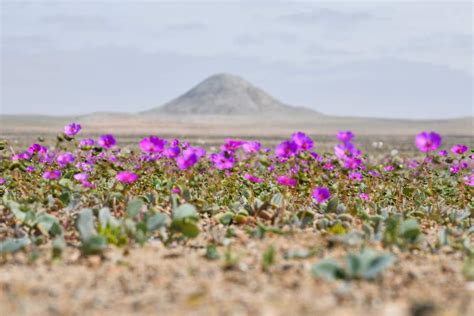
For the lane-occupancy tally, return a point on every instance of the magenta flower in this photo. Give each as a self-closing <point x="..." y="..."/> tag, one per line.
<point x="302" y="141"/>
<point x="286" y="149"/>
<point x="469" y="180"/>
<point x="81" y="177"/>
<point x="232" y="145"/>
<point x="34" y="148"/>
<point x="86" y="142"/>
<point x="454" y="169"/>
<point x="199" y="151"/>
<point x="345" y="136"/>
<point x="352" y="163"/>
<point x="176" y="190"/>
<point x="346" y="150"/>
<point x="443" y="153"/>
<point x="427" y="142"/>
<point x="355" y="176"/>
<point x="286" y="181"/>
<point x="52" y="174"/>
<point x="252" y="178"/>
<point x="127" y="177"/>
<point x="2" y="180"/>
<point x="459" y="149"/>
<point x="223" y="160"/>
<point x="172" y="152"/>
<point x="30" y="169"/>
<point x="106" y="141"/>
<point x="321" y="194"/>
<point x="187" y="160"/>
<point x="65" y="159"/>
<point x="388" y="168"/>
<point x="364" y="196"/>
<point x="72" y="129"/>
<point x="152" y="144"/>
<point x="251" y="147"/>
<point x="374" y="173"/>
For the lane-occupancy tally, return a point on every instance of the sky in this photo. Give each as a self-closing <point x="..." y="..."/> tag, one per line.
<point x="393" y="59"/>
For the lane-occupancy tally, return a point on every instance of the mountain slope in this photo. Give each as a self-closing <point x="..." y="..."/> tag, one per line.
<point x="224" y="94"/>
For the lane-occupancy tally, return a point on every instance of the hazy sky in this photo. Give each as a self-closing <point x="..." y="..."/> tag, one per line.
<point x="385" y="59"/>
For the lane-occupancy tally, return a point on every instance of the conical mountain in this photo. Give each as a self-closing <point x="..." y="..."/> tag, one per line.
<point x="226" y="94"/>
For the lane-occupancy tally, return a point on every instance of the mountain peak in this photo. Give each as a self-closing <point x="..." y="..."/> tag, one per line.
<point x="225" y="94"/>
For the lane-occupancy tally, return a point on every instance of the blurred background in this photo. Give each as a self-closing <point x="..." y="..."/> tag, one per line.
<point x="386" y="59"/>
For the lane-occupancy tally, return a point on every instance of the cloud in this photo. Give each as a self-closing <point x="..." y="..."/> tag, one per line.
<point x="318" y="50"/>
<point x="186" y="27"/>
<point x="78" y="22"/>
<point x="247" y="39"/>
<point x="327" y="18"/>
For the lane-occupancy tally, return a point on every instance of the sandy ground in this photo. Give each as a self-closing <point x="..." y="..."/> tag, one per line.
<point x="179" y="280"/>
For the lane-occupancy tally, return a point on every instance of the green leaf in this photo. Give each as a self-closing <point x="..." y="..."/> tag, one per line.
<point x="157" y="221"/>
<point x="328" y="269"/>
<point x="185" y="211"/>
<point x="11" y="245"/>
<point x="94" y="245"/>
<point x="409" y="230"/>
<point x="59" y="244"/>
<point x="134" y="207"/>
<point x="354" y="265"/>
<point x="377" y="265"/>
<point x="188" y="228"/>
<point x="332" y="205"/>
<point x="212" y="253"/>
<point x="45" y="223"/>
<point x="277" y="200"/>
<point x="85" y="224"/>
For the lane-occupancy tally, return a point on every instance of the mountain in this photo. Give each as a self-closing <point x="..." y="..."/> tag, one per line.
<point x="224" y="94"/>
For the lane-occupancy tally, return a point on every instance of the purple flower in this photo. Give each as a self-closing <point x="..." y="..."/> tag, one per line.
<point x="286" y="149"/>
<point x="321" y="194"/>
<point x="345" y="150"/>
<point x="345" y="136"/>
<point x="252" y="178"/>
<point x="187" y="160"/>
<point x="30" y="169"/>
<point x="72" y="129"/>
<point x="52" y="174"/>
<point x="176" y="190"/>
<point x="127" y="177"/>
<point x="86" y="142"/>
<point x="355" y="176"/>
<point x="2" y="180"/>
<point x="223" y="160"/>
<point x="232" y="145"/>
<point x="374" y="173"/>
<point x="251" y="147"/>
<point x="303" y="141"/>
<point x="443" y="153"/>
<point x="172" y="152"/>
<point x="286" y="181"/>
<point x="34" y="148"/>
<point x="454" y="169"/>
<point x="328" y="166"/>
<point x="427" y="142"/>
<point x="469" y="180"/>
<point x="388" y="168"/>
<point x="152" y="144"/>
<point x="459" y="149"/>
<point x="65" y="159"/>
<point x="87" y="184"/>
<point x="106" y="141"/>
<point x="352" y="163"/>
<point x="364" y="196"/>
<point x="81" y="177"/>
<point x="199" y="151"/>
